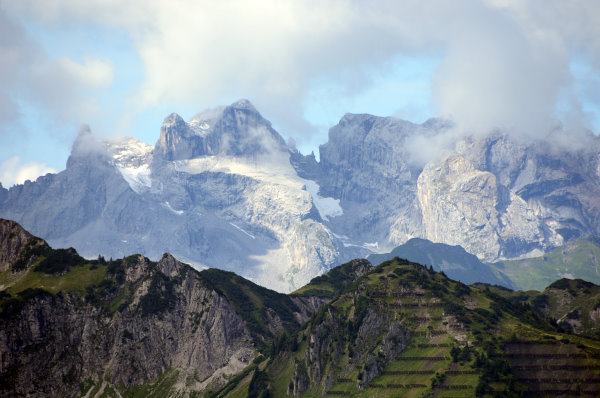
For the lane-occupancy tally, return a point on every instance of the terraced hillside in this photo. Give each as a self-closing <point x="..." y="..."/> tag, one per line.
<point x="403" y="330"/>
<point x="572" y="304"/>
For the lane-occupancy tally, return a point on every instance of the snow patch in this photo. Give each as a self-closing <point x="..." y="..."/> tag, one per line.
<point x="132" y="158"/>
<point x="126" y="149"/>
<point x="138" y="178"/>
<point x="168" y="206"/>
<point x="346" y="241"/>
<point x="371" y="245"/>
<point x="199" y="127"/>
<point x="327" y="207"/>
<point x="274" y="168"/>
<point x="235" y="226"/>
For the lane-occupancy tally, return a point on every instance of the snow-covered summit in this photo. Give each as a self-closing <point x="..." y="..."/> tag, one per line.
<point x="234" y="130"/>
<point x="132" y="158"/>
<point x="129" y="152"/>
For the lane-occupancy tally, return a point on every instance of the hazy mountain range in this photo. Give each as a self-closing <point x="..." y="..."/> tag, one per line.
<point x="224" y="190"/>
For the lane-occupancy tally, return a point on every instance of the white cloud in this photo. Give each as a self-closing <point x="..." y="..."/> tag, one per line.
<point x="65" y="87"/>
<point x="500" y="74"/>
<point x="92" y="72"/>
<point x="13" y="171"/>
<point x="505" y="62"/>
<point x="59" y="86"/>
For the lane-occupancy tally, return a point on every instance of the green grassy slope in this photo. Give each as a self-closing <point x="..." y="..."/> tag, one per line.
<point x="54" y="272"/>
<point x="337" y="279"/>
<point x="572" y="304"/>
<point x="579" y="259"/>
<point x="405" y="331"/>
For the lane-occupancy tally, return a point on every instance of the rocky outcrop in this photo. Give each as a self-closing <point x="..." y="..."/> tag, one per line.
<point x="497" y="196"/>
<point x="308" y="306"/>
<point x="364" y="164"/>
<point x="167" y="317"/>
<point x="332" y="335"/>
<point x="13" y="241"/>
<point x="468" y="207"/>
<point x="236" y="130"/>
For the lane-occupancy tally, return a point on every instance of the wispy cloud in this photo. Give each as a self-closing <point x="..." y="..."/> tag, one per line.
<point x="13" y="171"/>
<point x="505" y="63"/>
<point x="59" y="86"/>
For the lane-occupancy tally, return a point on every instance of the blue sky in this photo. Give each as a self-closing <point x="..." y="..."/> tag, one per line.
<point x="121" y="68"/>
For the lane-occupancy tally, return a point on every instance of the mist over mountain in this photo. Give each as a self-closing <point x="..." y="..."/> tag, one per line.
<point x="497" y="196"/>
<point x="224" y="190"/>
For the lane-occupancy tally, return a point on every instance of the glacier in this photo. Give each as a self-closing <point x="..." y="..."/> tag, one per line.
<point x="327" y="207"/>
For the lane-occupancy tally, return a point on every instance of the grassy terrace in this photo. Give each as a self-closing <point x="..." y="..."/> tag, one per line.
<point x="460" y="338"/>
<point x="55" y="272"/>
<point x="76" y="279"/>
<point x="426" y="365"/>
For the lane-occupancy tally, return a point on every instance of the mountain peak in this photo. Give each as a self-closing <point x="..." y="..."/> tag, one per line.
<point x="173" y="119"/>
<point x="14" y="239"/>
<point x="212" y="115"/>
<point x="243" y="104"/>
<point x="234" y="130"/>
<point x="86" y="147"/>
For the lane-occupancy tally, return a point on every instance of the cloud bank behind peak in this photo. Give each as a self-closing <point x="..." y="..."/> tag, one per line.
<point x="502" y="64"/>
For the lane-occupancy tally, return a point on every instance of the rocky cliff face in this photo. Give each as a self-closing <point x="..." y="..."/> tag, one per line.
<point x="462" y="205"/>
<point x="502" y="199"/>
<point x="13" y="240"/>
<point x="216" y="191"/>
<point x="223" y="190"/>
<point x="56" y="341"/>
<point x="364" y="164"/>
<point x="68" y="323"/>
<point x="497" y="196"/>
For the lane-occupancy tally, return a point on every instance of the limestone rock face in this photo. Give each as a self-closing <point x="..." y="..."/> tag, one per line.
<point x="216" y="191"/>
<point x="496" y="195"/>
<point x="364" y="164"/>
<point x="200" y="333"/>
<point x="223" y="190"/>
<point x="468" y="207"/>
<point x="454" y="197"/>
<point x="499" y="198"/>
